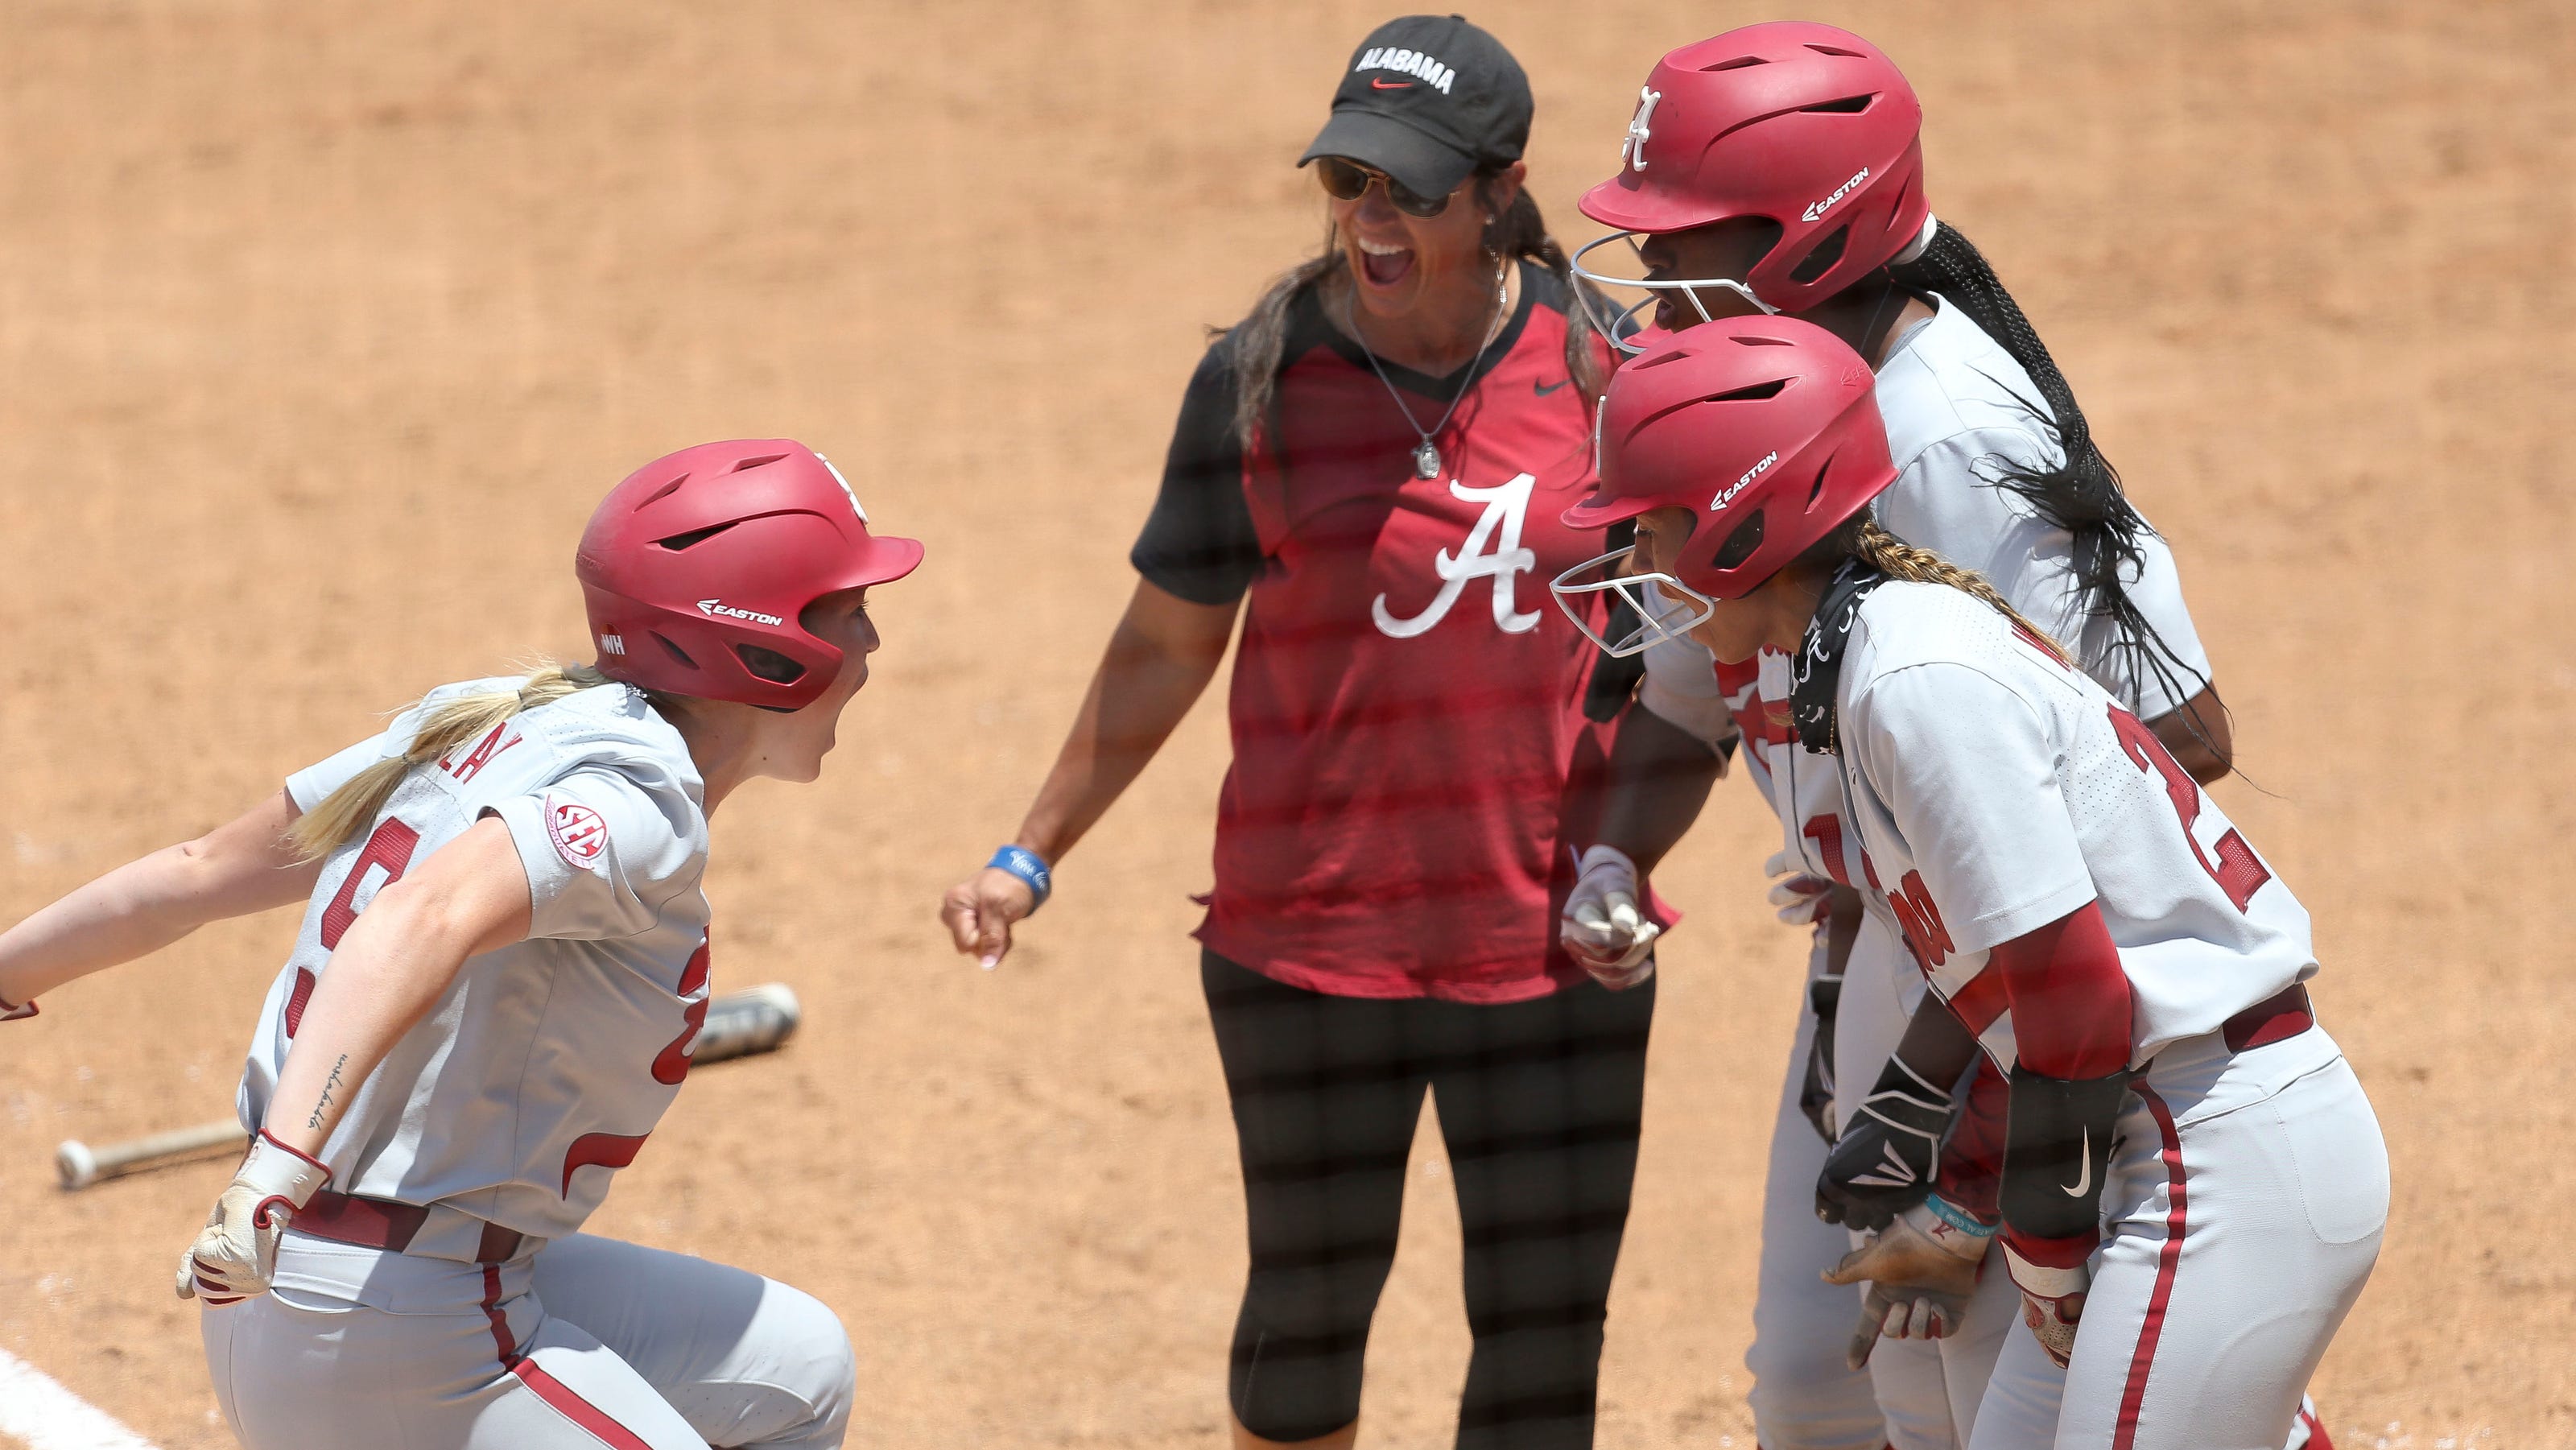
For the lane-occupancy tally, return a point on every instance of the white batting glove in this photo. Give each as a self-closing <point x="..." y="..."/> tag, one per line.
<point x="2052" y="1302"/>
<point x="12" y="1011"/>
<point x="1921" y="1271"/>
<point x="235" y="1255"/>
<point x="1797" y="896"/>
<point x="1601" y="927"/>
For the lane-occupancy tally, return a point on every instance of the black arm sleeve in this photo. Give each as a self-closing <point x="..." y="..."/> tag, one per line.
<point x="1199" y="542"/>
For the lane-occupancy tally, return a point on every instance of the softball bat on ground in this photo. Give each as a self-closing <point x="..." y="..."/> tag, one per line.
<point x="739" y="1024"/>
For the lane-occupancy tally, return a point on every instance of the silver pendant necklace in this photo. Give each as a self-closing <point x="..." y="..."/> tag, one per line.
<point x="1426" y="457"/>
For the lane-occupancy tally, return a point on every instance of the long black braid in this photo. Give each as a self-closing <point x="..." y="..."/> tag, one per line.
<point x="2081" y="496"/>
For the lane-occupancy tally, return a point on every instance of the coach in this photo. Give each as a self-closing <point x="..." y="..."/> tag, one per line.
<point x="1369" y="469"/>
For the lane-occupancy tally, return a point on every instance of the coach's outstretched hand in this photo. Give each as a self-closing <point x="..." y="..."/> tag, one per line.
<point x="980" y="910"/>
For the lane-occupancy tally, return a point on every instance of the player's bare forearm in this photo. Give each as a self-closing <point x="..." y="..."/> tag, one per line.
<point x="2197" y="735"/>
<point x="239" y="867"/>
<point x="1660" y="776"/>
<point x="397" y="960"/>
<point x="1158" y="663"/>
<point x="1936" y="1043"/>
<point x="1842" y="928"/>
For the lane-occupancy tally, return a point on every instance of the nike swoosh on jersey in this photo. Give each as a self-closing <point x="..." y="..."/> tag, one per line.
<point x="1392" y="85"/>
<point x="2083" y="1180"/>
<point x="1543" y="389"/>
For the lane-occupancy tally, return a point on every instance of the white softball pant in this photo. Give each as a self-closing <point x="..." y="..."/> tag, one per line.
<point x="1928" y="1389"/>
<point x="580" y="1343"/>
<point x="2243" y="1214"/>
<point x="1804" y="1397"/>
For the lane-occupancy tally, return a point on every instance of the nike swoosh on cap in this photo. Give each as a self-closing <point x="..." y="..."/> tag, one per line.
<point x="1392" y="85"/>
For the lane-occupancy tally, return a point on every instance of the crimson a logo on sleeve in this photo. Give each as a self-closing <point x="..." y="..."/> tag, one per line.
<point x="580" y="836"/>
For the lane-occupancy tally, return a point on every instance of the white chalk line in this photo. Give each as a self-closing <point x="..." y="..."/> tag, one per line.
<point x="48" y="1417"/>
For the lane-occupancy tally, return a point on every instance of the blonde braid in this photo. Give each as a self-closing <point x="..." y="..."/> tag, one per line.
<point x="346" y="811"/>
<point x="1897" y="559"/>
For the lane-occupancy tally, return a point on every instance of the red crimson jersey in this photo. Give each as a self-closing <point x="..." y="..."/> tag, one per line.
<point x="1413" y="773"/>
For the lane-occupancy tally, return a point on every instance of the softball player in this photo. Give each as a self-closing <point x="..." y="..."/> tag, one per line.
<point x="501" y="970"/>
<point x="1368" y="470"/>
<point x="1778" y="168"/>
<point x="2193" y="1185"/>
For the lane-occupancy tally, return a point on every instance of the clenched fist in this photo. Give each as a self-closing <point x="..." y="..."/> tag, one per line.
<point x="235" y="1254"/>
<point x="1602" y="927"/>
<point x="980" y="910"/>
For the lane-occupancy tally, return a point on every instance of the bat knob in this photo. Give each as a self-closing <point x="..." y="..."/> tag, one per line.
<point x="74" y="1163"/>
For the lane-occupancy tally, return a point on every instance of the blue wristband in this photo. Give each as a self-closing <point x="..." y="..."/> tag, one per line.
<point x="1030" y="867"/>
<point x="1959" y="1218"/>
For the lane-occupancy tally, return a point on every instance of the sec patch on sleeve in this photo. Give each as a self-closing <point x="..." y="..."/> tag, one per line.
<point x="577" y="831"/>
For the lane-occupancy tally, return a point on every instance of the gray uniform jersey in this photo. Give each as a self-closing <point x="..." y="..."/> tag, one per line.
<point x="545" y="1064"/>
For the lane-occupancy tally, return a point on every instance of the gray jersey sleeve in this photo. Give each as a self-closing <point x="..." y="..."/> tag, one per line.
<point x="603" y="853"/>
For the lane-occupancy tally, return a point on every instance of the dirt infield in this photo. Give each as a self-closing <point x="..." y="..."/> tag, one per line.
<point x="316" y="348"/>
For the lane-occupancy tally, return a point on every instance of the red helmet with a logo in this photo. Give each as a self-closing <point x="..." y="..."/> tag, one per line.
<point x="696" y="568"/>
<point x="1765" y="428"/>
<point x="1801" y="124"/>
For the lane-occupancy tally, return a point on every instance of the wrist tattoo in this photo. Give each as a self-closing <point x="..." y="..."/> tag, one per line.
<point x="324" y="1106"/>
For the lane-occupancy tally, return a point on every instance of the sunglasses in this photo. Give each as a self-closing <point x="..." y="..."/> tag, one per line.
<point x="1349" y="181"/>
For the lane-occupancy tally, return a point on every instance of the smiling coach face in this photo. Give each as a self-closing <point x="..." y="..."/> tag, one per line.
<point x="1430" y="106"/>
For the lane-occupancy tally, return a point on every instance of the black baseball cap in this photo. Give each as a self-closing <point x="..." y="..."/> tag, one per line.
<point x="1428" y="99"/>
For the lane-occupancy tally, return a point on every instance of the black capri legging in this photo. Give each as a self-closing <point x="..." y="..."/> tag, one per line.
<point x="1539" y="1103"/>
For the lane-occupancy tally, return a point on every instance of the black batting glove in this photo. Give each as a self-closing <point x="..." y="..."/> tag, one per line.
<point x="1816" y="1095"/>
<point x="1883" y="1163"/>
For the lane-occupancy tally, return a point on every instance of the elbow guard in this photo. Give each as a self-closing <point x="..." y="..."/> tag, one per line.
<point x="2057" y="1151"/>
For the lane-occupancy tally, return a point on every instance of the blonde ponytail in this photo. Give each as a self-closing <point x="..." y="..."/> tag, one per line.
<point x="346" y="811"/>
<point x="1897" y="559"/>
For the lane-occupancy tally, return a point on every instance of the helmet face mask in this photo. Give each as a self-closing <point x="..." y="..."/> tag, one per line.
<point x="1621" y="326"/>
<point x="1666" y="608"/>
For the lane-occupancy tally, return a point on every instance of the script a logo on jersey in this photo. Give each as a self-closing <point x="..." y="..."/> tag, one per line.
<point x="577" y="831"/>
<point x="1727" y="495"/>
<point x="1506" y="510"/>
<point x="480" y="756"/>
<point x="717" y="608"/>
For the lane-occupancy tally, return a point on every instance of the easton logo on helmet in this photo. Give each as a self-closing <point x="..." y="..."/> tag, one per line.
<point x="1407" y="62"/>
<point x="719" y="609"/>
<point x="1727" y="496"/>
<point x="1819" y="208"/>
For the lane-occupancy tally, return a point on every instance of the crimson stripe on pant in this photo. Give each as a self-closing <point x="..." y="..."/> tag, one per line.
<point x="576" y="1409"/>
<point x="2168" y="1259"/>
<point x="553" y="1391"/>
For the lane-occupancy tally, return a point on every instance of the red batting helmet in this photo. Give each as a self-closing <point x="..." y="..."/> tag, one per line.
<point x="1765" y="428"/>
<point x="1805" y="125"/>
<point x="696" y="567"/>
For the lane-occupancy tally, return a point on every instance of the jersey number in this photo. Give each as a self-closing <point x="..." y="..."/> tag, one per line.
<point x="616" y="1150"/>
<point x="2236" y="870"/>
<point x="386" y="856"/>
